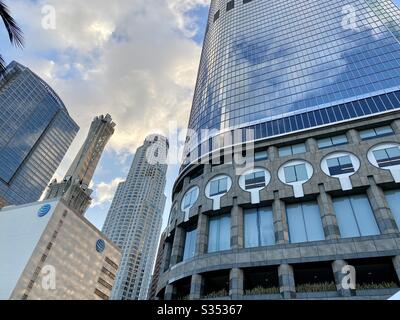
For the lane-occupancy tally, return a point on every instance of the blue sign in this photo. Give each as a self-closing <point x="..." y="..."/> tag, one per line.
<point x="100" y="246"/>
<point x="44" y="210"/>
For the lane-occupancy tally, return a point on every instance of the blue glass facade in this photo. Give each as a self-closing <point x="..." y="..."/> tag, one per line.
<point x="35" y="133"/>
<point x="282" y="66"/>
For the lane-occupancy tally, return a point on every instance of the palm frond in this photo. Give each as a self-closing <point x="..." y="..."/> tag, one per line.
<point x="14" y="32"/>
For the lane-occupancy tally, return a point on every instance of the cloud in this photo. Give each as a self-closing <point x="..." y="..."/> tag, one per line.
<point x="105" y="192"/>
<point x="134" y="59"/>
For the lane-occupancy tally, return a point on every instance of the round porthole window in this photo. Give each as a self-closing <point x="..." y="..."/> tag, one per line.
<point x="189" y="199"/>
<point x="341" y="165"/>
<point x="296" y="173"/>
<point x="386" y="156"/>
<point x="217" y="188"/>
<point x="254" y="181"/>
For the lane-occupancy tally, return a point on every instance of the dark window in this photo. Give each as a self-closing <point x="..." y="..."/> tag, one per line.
<point x="388" y="157"/>
<point x="101" y="294"/>
<point x="246" y="1"/>
<point x="255" y="180"/>
<point x="216" y="16"/>
<point x="105" y="284"/>
<point x="111" y="263"/>
<point x="341" y="165"/>
<point x="230" y="5"/>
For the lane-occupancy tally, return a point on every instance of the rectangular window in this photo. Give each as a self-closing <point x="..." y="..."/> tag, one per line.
<point x="261" y="155"/>
<point x="305" y="223"/>
<point x="393" y="199"/>
<point x="219" y="186"/>
<point x="341" y="165"/>
<point x="292" y="150"/>
<point x="105" y="283"/>
<point x="355" y="217"/>
<point x="102" y="295"/>
<point x="259" y="227"/>
<point x="376" y="132"/>
<point x="296" y="173"/>
<point x="190" y="243"/>
<point x="219" y="233"/>
<point x="255" y="180"/>
<point x="388" y="157"/>
<point x="332" y="141"/>
<point x="230" y="5"/>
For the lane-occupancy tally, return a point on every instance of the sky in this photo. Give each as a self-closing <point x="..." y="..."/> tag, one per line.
<point x="134" y="59"/>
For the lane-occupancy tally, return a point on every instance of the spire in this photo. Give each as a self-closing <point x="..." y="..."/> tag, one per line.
<point x="75" y="187"/>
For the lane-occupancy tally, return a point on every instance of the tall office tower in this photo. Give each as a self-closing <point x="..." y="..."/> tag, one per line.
<point x="135" y="218"/>
<point x="314" y="88"/>
<point x="75" y="186"/>
<point x="35" y="133"/>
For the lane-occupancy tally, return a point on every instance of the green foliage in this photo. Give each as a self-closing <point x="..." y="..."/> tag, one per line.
<point x="316" y="287"/>
<point x="217" y="294"/>
<point x="372" y="286"/>
<point x="262" y="291"/>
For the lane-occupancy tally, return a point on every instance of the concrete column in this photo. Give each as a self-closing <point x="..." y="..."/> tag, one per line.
<point x="353" y="136"/>
<point x="383" y="214"/>
<point x="286" y="281"/>
<point x="178" y="246"/>
<point x="396" y="126"/>
<point x="237" y="228"/>
<point x="396" y="264"/>
<point x="273" y="153"/>
<point x="166" y="260"/>
<point x="202" y="234"/>
<point x="312" y="145"/>
<point x="280" y="221"/>
<point x="328" y="216"/>
<point x="236" y="284"/>
<point x="340" y="273"/>
<point x="196" y="287"/>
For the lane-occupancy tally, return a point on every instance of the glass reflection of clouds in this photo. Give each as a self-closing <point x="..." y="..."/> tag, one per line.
<point x="265" y="60"/>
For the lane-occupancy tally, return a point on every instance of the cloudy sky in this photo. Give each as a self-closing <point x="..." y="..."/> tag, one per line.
<point x="134" y="59"/>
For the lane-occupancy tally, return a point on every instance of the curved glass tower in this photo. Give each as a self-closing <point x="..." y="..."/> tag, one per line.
<point x="284" y="66"/>
<point x="314" y="85"/>
<point x="36" y="131"/>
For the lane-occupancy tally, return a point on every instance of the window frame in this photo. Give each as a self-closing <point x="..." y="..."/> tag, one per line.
<point x="220" y="191"/>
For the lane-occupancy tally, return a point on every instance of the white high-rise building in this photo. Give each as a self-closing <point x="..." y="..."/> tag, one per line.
<point x="135" y="217"/>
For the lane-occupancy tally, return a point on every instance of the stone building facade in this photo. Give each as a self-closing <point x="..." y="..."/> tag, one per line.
<point x="286" y="264"/>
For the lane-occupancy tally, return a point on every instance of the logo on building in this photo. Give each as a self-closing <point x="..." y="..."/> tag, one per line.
<point x="100" y="246"/>
<point x="44" y="210"/>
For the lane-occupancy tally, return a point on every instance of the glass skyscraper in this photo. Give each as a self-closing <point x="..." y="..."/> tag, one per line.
<point x="315" y="86"/>
<point x="284" y="66"/>
<point x="35" y="133"/>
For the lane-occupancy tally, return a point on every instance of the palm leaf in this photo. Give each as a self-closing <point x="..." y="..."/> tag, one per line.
<point x="14" y="32"/>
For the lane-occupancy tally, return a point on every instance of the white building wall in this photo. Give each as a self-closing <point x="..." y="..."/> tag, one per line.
<point x="64" y="255"/>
